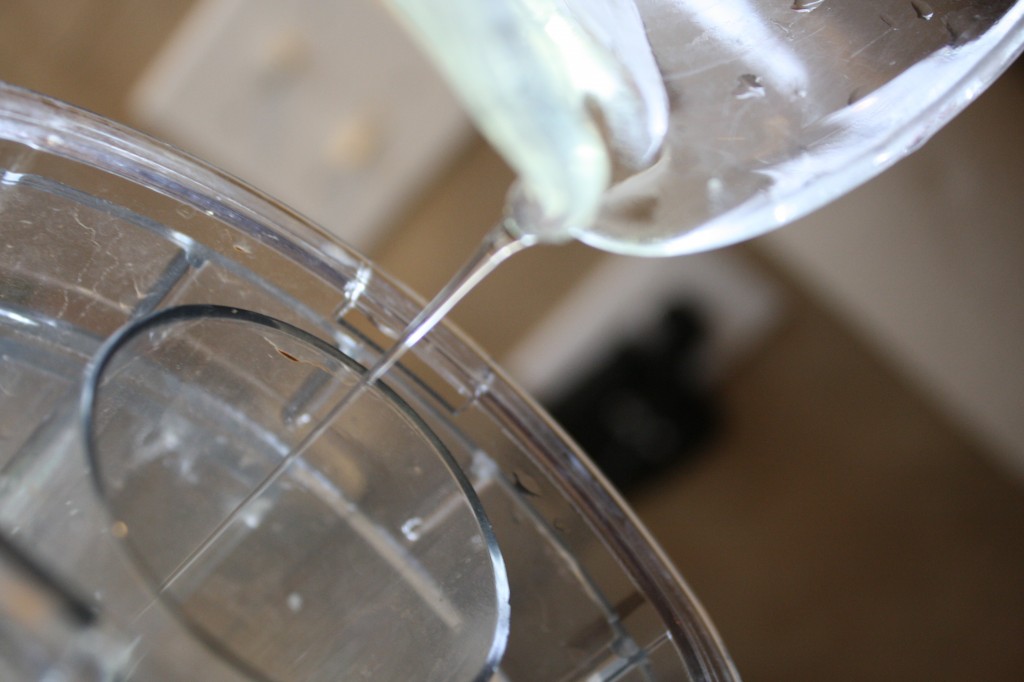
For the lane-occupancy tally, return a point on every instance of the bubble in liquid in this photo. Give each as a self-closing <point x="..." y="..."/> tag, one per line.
<point x="923" y="9"/>
<point x="749" y="87"/>
<point x="806" y="5"/>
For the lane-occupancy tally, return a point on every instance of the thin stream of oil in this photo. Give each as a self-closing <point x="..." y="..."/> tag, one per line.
<point x="533" y="92"/>
<point x="500" y="243"/>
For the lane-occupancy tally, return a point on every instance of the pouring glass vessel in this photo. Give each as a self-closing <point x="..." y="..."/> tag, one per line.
<point x="667" y="127"/>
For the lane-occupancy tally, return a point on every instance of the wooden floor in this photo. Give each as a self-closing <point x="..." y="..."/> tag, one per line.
<point x="839" y="530"/>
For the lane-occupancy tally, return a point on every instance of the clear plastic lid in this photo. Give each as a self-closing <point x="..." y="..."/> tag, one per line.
<point x="110" y="241"/>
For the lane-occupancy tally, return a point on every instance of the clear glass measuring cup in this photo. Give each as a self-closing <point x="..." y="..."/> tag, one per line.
<point x="665" y="127"/>
<point x="444" y="529"/>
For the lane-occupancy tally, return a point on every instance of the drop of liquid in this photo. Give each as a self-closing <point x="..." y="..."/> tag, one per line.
<point x="525" y="484"/>
<point x="411" y="529"/>
<point x="806" y="5"/>
<point x="923" y="9"/>
<point x="715" y="190"/>
<point x="255" y="511"/>
<point x="963" y="28"/>
<point x="749" y="87"/>
<point x="858" y="94"/>
<point x="294" y="602"/>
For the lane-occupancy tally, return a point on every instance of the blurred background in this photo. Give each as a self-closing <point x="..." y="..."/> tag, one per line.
<point x="823" y="427"/>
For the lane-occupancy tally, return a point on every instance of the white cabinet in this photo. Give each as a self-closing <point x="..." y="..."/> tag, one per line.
<point x="324" y="104"/>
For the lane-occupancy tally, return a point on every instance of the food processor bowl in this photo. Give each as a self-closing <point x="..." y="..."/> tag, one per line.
<point x="168" y="337"/>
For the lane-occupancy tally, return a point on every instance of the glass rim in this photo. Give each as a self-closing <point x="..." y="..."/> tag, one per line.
<point x="88" y="396"/>
<point x="57" y="128"/>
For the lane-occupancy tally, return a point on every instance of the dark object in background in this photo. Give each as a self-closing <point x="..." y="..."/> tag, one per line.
<point x="647" y="407"/>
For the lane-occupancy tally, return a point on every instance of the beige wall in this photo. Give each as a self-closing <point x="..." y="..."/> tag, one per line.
<point x="927" y="262"/>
